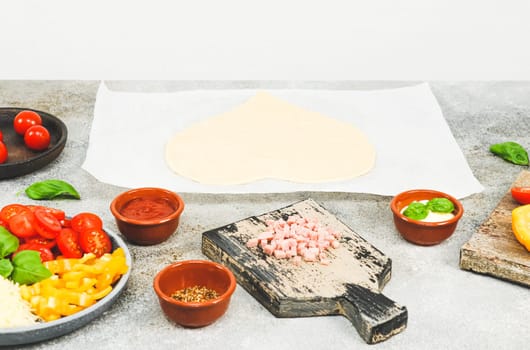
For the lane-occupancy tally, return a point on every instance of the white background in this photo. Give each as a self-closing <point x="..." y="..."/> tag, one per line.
<point x="269" y="39"/>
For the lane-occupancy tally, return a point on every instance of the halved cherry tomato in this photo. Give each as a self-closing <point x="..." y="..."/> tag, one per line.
<point x="24" y="120"/>
<point x="58" y="213"/>
<point x="10" y="210"/>
<point x="95" y="241"/>
<point x="3" y="223"/>
<point x="22" y="224"/>
<point x="521" y="194"/>
<point x="66" y="222"/>
<point x="68" y="243"/>
<point x="47" y="243"/>
<point x="45" y="253"/>
<point x="86" y="221"/>
<point x="46" y="224"/>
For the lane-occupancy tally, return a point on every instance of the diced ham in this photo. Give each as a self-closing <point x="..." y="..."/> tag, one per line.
<point x="253" y="242"/>
<point x="297" y="238"/>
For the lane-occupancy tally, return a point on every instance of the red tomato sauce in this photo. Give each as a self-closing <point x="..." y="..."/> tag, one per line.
<point x="145" y="208"/>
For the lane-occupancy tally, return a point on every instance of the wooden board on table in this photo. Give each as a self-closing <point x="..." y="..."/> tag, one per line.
<point x="493" y="250"/>
<point x="350" y="285"/>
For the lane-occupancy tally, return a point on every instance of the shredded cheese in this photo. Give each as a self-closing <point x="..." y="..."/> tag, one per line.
<point x="14" y="311"/>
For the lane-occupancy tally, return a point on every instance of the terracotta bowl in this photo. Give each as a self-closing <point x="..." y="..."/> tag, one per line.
<point x="419" y="232"/>
<point x="147" y="231"/>
<point x="190" y="273"/>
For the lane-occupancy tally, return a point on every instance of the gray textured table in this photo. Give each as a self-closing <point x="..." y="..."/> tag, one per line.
<point x="448" y="307"/>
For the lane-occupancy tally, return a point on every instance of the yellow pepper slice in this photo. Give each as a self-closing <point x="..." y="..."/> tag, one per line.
<point x="75" y="285"/>
<point x="521" y="225"/>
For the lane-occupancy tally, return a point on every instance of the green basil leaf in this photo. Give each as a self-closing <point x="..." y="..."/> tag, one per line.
<point x="8" y="242"/>
<point x="416" y="211"/>
<point x="511" y="152"/>
<point x="50" y="189"/>
<point x="440" y="205"/>
<point x="28" y="268"/>
<point x="5" y="268"/>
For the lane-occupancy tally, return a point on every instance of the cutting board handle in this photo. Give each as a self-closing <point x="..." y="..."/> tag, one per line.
<point x="375" y="316"/>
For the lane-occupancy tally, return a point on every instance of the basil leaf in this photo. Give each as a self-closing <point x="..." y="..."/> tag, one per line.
<point x="511" y="152"/>
<point x="8" y="242"/>
<point x="50" y="189"/>
<point x="416" y="211"/>
<point x="5" y="268"/>
<point x="440" y="205"/>
<point x="28" y="268"/>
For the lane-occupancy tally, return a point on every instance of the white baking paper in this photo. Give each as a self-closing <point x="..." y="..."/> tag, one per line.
<point x="414" y="145"/>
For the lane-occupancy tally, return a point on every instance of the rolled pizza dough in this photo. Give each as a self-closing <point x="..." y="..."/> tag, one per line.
<point x="266" y="137"/>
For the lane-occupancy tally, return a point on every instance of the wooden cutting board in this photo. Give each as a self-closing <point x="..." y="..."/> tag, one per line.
<point x="493" y="249"/>
<point x="350" y="285"/>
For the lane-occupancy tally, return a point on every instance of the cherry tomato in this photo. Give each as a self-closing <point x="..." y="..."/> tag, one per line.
<point x="37" y="138"/>
<point x="48" y="243"/>
<point x="1" y="136"/>
<point x="521" y="194"/>
<point x="66" y="222"/>
<point x="10" y="210"/>
<point x="23" y="224"/>
<point x="24" y="120"/>
<point x="45" y="253"/>
<point x="86" y="221"/>
<point x="57" y="213"/>
<point x="3" y="223"/>
<point x="68" y="243"/>
<point x="95" y="241"/>
<point x="46" y="224"/>
<point x="3" y="152"/>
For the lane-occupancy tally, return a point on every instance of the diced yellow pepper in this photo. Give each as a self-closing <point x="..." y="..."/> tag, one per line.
<point x="75" y="285"/>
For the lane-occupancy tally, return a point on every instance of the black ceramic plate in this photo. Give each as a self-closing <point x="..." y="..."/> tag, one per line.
<point x="53" y="329"/>
<point x="21" y="160"/>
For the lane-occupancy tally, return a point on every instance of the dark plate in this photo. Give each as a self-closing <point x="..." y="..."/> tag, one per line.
<point x="21" y="160"/>
<point x="53" y="329"/>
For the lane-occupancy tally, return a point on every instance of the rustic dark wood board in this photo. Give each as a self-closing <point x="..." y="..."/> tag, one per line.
<point x="350" y="285"/>
<point x="493" y="250"/>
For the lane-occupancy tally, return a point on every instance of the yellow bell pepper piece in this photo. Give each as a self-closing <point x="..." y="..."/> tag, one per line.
<point x="75" y="285"/>
<point x="521" y="225"/>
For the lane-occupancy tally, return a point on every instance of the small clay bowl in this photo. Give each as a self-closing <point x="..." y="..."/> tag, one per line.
<point x="419" y="232"/>
<point x="144" y="228"/>
<point x="191" y="273"/>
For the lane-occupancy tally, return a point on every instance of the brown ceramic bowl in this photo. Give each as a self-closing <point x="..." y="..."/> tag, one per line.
<point x="142" y="226"/>
<point x="190" y="273"/>
<point x="419" y="232"/>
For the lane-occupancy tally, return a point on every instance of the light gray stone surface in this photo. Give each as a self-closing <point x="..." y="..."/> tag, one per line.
<point x="448" y="307"/>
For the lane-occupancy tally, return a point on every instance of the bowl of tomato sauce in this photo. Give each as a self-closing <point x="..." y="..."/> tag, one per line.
<point x="147" y="215"/>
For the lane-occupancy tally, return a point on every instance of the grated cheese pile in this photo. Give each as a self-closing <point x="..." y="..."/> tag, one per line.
<point x="14" y="311"/>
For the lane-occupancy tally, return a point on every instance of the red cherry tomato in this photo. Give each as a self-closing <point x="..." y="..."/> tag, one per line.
<point x="3" y="152"/>
<point x="24" y="120"/>
<point x="1" y="136"/>
<point x="521" y="194"/>
<point x="68" y="243"/>
<point x="57" y="213"/>
<point x="95" y="241"/>
<point x="47" y="243"/>
<point x="86" y="221"/>
<point x="46" y="224"/>
<point x="37" y="138"/>
<point x="11" y="210"/>
<point x="66" y="222"/>
<point x="22" y="225"/>
<point x="45" y="253"/>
